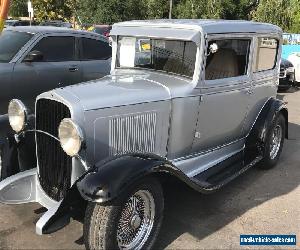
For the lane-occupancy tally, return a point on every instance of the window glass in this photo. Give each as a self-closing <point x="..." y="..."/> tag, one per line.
<point x="170" y="56"/>
<point x="266" y="54"/>
<point x="230" y="60"/>
<point x="95" y="50"/>
<point x="57" y="49"/>
<point x="10" y="43"/>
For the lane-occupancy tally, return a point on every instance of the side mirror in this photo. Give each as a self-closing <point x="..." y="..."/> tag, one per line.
<point x="34" y="56"/>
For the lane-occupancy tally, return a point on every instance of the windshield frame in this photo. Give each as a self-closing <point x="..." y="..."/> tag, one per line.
<point x="13" y="57"/>
<point x="194" y="78"/>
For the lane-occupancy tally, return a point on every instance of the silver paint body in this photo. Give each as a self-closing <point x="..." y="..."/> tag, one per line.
<point x="194" y="123"/>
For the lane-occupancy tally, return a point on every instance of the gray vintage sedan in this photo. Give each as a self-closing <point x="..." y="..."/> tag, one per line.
<point x="37" y="59"/>
<point x="191" y="99"/>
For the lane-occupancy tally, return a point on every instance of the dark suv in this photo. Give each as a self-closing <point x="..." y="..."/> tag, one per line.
<point x="37" y="59"/>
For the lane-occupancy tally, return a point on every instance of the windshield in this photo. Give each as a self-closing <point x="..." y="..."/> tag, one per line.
<point x="10" y="43"/>
<point x="172" y="56"/>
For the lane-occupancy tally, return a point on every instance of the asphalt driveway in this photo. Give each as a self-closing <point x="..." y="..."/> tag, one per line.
<point x="259" y="202"/>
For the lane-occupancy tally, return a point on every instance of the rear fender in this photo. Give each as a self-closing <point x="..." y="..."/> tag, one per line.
<point x="269" y="113"/>
<point x="256" y="139"/>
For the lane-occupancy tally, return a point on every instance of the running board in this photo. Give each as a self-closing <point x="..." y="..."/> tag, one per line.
<point x="218" y="176"/>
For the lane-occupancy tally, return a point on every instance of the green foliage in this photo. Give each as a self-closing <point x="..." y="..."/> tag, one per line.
<point x="53" y="9"/>
<point x="110" y="11"/>
<point x="199" y="9"/>
<point x="279" y="12"/>
<point x="238" y="9"/>
<point x="18" y="8"/>
<point x="285" y="13"/>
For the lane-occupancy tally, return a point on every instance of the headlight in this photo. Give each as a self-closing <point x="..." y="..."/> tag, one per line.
<point x="17" y="115"/>
<point x="70" y="136"/>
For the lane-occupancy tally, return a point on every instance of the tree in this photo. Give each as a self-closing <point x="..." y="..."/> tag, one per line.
<point x="279" y="12"/>
<point x="53" y="9"/>
<point x="238" y="9"/>
<point x="110" y="11"/>
<point x="18" y="8"/>
<point x="199" y="9"/>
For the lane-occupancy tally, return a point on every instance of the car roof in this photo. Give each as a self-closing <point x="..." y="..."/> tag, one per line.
<point x="48" y="29"/>
<point x="208" y="26"/>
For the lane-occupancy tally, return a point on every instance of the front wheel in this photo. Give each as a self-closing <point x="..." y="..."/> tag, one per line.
<point x="132" y="223"/>
<point x="274" y="143"/>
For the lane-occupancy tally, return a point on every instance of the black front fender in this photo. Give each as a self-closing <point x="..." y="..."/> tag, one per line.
<point x="16" y="156"/>
<point x="107" y="180"/>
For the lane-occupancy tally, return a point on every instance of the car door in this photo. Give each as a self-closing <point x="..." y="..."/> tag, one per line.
<point x="265" y="76"/>
<point x="59" y="67"/>
<point x="95" y="56"/>
<point x="226" y="93"/>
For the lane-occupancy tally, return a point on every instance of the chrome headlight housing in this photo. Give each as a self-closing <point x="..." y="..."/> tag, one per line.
<point x="17" y="115"/>
<point x="70" y="136"/>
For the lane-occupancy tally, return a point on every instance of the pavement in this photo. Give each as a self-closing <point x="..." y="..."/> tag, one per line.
<point x="258" y="202"/>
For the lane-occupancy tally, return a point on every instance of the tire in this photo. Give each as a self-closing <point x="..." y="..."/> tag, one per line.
<point x="102" y="224"/>
<point x="271" y="153"/>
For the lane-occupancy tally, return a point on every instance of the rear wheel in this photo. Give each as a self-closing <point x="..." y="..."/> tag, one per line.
<point x="132" y="223"/>
<point x="274" y="143"/>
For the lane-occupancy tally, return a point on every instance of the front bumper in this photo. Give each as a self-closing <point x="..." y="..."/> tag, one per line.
<point x="24" y="188"/>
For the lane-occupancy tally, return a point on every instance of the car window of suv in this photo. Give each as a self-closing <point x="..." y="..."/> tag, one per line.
<point x="57" y="49"/>
<point x="230" y="60"/>
<point x="266" y="54"/>
<point x="10" y="43"/>
<point x="95" y="50"/>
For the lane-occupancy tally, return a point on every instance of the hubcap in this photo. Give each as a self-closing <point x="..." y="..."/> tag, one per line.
<point x="136" y="221"/>
<point x="275" y="142"/>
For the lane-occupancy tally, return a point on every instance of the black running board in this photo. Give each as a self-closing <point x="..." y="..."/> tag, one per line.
<point x="216" y="177"/>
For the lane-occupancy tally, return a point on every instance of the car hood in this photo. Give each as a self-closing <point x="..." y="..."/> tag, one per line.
<point x="125" y="88"/>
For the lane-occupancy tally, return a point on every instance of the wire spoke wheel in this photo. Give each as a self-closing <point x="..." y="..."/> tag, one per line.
<point x="136" y="220"/>
<point x="275" y="141"/>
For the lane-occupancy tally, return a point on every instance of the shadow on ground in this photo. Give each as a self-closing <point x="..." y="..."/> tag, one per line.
<point x="201" y="215"/>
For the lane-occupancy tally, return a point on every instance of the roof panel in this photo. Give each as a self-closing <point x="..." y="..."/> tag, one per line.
<point x="208" y="26"/>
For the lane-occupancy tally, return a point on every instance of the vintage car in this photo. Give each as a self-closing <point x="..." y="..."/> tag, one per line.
<point x="201" y="107"/>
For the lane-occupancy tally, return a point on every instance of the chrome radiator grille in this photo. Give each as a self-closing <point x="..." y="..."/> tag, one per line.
<point x="133" y="133"/>
<point x="54" y="165"/>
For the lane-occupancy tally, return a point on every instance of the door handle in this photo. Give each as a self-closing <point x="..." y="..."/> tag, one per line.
<point x="73" y="69"/>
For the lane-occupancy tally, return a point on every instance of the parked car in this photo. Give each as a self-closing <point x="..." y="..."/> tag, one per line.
<point x="103" y="30"/>
<point x="287" y="75"/>
<point x="37" y="59"/>
<point x="14" y="23"/>
<point x="294" y="58"/>
<point x="201" y="110"/>
<point x="57" y="24"/>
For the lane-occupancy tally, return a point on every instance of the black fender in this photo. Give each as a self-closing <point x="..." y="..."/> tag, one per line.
<point x="16" y="155"/>
<point x="107" y="180"/>
<point x="8" y="149"/>
<point x="257" y="136"/>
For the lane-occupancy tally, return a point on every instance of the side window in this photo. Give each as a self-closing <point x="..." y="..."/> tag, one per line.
<point x="57" y="49"/>
<point x="266" y="54"/>
<point x="95" y="50"/>
<point x="230" y="60"/>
